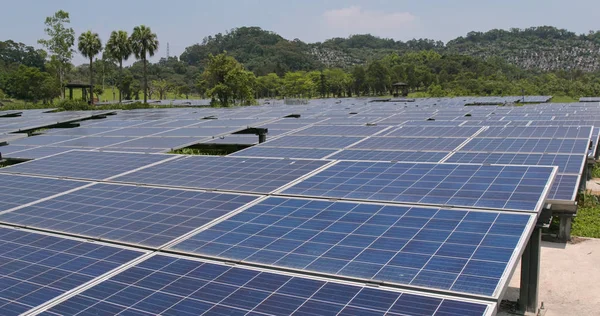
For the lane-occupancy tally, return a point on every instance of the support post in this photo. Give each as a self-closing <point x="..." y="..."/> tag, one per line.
<point x="70" y="93"/>
<point x="530" y="273"/>
<point x="564" y="228"/>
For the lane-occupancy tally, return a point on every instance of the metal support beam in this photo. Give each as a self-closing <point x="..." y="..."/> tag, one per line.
<point x="564" y="228"/>
<point x="530" y="273"/>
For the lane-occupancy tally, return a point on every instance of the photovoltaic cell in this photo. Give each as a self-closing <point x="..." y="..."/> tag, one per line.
<point x="86" y="164"/>
<point x="565" y="163"/>
<point x="260" y="175"/>
<point x="176" y="286"/>
<point x="28" y="152"/>
<point x="19" y="190"/>
<point x="277" y="152"/>
<point x="135" y="215"/>
<point x="411" y="144"/>
<point x="341" y="130"/>
<point x="385" y="155"/>
<point x="528" y="145"/>
<point x="538" y="132"/>
<point x="565" y="188"/>
<point x="428" y="131"/>
<point x="501" y="187"/>
<point x="327" y="142"/>
<point x="42" y="140"/>
<point x="158" y="142"/>
<point x="94" y="141"/>
<point x="453" y="250"/>
<point x="36" y="268"/>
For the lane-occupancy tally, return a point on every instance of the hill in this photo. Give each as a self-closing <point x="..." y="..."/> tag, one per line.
<point x="543" y="48"/>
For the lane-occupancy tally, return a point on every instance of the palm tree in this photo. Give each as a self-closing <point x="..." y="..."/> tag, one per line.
<point x="143" y="42"/>
<point x="118" y="48"/>
<point x="90" y="45"/>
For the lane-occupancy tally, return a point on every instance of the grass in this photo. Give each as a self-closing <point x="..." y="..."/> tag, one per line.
<point x="563" y="99"/>
<point x="77" y="105"/>
<point x="587" y="222"/>
<point x="107" y="96"/>
<point x="596" y="171"/>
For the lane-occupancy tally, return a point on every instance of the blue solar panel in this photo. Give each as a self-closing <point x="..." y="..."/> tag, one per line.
<point x="276" y="152"/>
<point x="538" y="132"/>
<point x="129" y="214"/>
<point x="341" y="130"/>
<point x="454" y="250"/>
<point x="566" y="163"/>
<point x="28" y="152"/>
<point x="199" y="132"/>
<point x="565" y="188"/>
<point x="158" y="142"/>
<point x="414" y="143"/>
<point x="385" y="155"/>
<point x="36" y="268"/>
<point x="500" y="187"/>
<point x="137" y="131"/>
<point x="94" y="141"/>
<point x="327" y="142"/>
<point x="19" y="190"/>
<point x="42" y="140"/>
<point x="528" y="145"/>
<point x="86" y="164"/>
<point x="79" y="131"/>
<point x="260" y="175"/>
<point x="175" y="286"/>
<point x="428" y="131"/>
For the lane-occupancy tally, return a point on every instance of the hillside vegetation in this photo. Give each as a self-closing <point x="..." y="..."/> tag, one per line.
<point x="543" y="48"/>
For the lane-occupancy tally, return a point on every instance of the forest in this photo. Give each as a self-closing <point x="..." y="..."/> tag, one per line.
<point x="248" y="63"/>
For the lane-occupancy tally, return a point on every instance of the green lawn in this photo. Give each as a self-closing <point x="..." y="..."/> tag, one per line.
<point x="564" y="99"/>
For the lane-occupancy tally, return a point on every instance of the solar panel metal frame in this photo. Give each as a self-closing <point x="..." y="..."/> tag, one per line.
<point x="490" y="307"/>
<point x="499" y="290"/>
<point x="93" y="280"/>
<point x="22" y="167"/>
<point x="536" y="209"/>
<point x="40" y="203"/>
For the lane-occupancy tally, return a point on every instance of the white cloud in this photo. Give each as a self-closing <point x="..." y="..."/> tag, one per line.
<point x="355" y="20"/>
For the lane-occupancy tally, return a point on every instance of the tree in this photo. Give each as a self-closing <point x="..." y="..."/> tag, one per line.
<point x="118" y="48"/>
<point x="359" y="84"/>
<point x="378" y="77"/>
<point x="90" y="45"/>
<point x="144" y="43"/>
<point x="162" y="87"/>
<point x="60" y="44"/>
<point x="31" y="84"/>
<point x="227" y="81"/>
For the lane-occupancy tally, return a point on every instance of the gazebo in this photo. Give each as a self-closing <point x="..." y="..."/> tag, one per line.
<point x="85" y="87"/>
<point x="400" y="89"/>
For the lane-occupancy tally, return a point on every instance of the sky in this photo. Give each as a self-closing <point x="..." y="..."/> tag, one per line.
<point x="182" y="23"/>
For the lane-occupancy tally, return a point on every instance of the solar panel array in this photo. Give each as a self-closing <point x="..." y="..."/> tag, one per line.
<point x="419" y="198"/>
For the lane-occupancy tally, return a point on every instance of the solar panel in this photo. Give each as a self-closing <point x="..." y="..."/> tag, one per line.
<point x="565" y="163"/>
<point x="94" y="141"/>
<point x="169" y="285"/>
<point x="528" y="145"/>
<point x="440" y="131"/>
<point x="86" y="164"/>
<point x="259" y="175"/>
<point x="134" y="215"/>
<point x="326" y="142"/>
<point x="565" y="188"/>
<point x="386" y="155"/>
<point x="341" y="130"/>
<point x="158" y="142"/>
<point x="411" y="144"/>
<point x="199" y="132"/>
<point x="19" y="190"/>
<point x="42" y="140"/>
<point x="137" y="131"/>
<point x="30" y="152"/>
<point x="79" y="131"/>
<point x="454" y="250"/>
<point x="36" y="268"/>
<point x="538" y="132"/>
<point x="519" y="188"/>
<point x="277" y="152"/>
